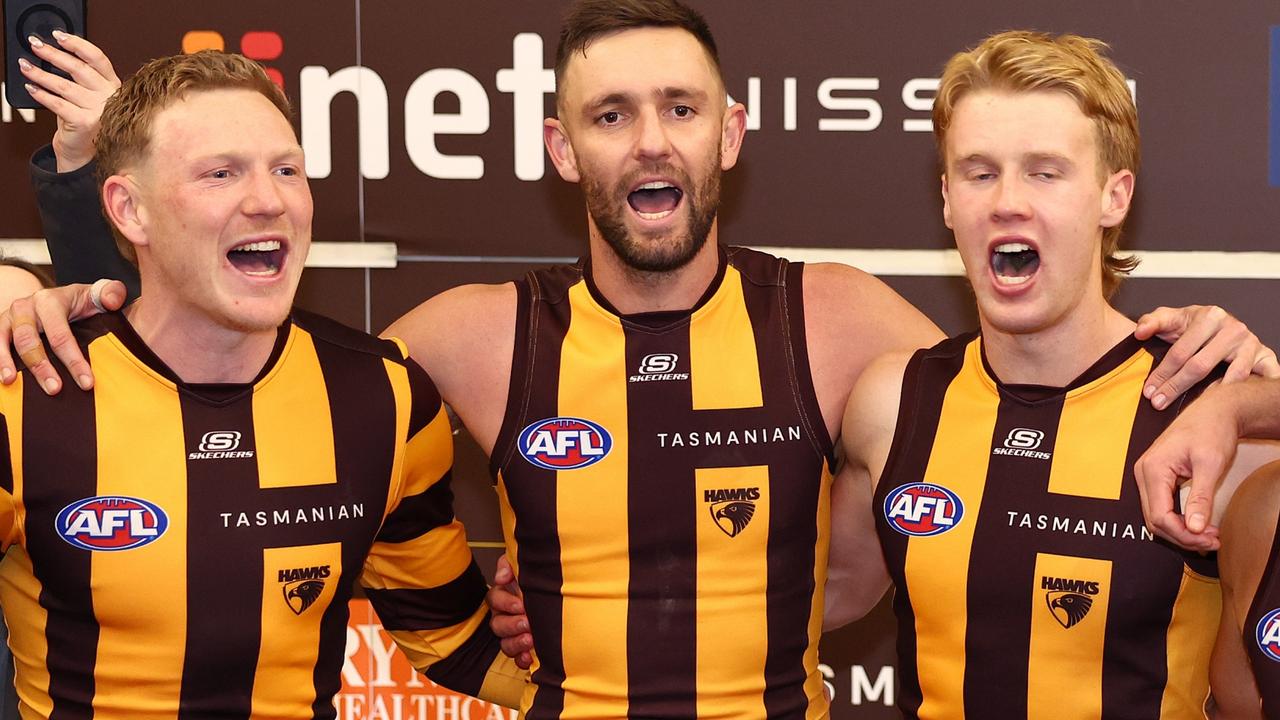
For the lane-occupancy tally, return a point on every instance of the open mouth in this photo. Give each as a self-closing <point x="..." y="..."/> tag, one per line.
<point x="262" y="258"/>
<point x="1014" y="263"/>
<point x="655" y="200"/>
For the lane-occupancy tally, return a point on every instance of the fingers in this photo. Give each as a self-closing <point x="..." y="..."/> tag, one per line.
<point x="77" y="96"/>
<point x="519" y="649"/>
<point x="1152" y="322"/>
<point x="109" y="295"/>
<point x="1266" y="364"/>
<point x="87" y="65"/>
<point x="502" y="573"/>
<point x="503" y="601"/>
<point x="26" y="340"/>
<point x="1211" y="336"/>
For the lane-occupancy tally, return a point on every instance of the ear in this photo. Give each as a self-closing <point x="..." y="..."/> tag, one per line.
<point x="1117" y="197"/>
<point x="560" y="148"/>
<point x="946" y="204"/>
<point x="120" y="200"/>
<point x="732" y="133"/>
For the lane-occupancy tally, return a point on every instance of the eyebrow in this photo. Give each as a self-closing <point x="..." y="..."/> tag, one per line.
<point x="1033" y="157"/>
<point x="666" y="93"/>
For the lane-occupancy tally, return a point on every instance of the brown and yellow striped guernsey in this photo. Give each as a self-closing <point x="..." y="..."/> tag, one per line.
<point x="188" y="551"/>
<point x="665" y="483"/>
<point x="1027" y="584"/>
<point x="1262" y="631"/>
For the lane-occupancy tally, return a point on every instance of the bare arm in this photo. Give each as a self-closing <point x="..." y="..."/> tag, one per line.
<point x="1201" y="445"/>
<point x="1203" y="336"/>
<point x="1247" y="535"/>
<point x="464" y="338"/>
<point x="857" y="576"/>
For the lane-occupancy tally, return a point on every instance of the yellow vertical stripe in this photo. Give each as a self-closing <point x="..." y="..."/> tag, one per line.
<point x="813" y="686"/>
<point x="19" y="593"/>
<point x="284" y="685"/>
<point x="938" y="566"/>
<point x="140" y="438"/>
<point x="1059" y="652"/>
<point x="398" y="376"/>
<point x="721" y="330"/>
<point x="1093" y="432"/>
<point x="732" y="577"/>
<point x="594" y="549"/>
<point x="11" y="406"/>
<point x="291" y="411"/>
<point x="1192" y="630"/>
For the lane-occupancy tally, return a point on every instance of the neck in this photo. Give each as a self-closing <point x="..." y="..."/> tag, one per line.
<point x="1055" y="356"/>
<point x="198" y="350"/>
<point x="633" y="291"/>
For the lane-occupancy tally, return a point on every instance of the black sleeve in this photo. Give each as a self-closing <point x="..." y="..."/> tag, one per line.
<point x="80" y="242"/>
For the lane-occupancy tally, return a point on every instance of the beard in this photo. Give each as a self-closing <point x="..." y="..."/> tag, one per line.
<point x="644" y="252"/>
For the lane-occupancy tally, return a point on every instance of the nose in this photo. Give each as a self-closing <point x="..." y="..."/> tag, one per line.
<point x="652" y="141"/>
<point x="262" y="195"/>
<point x="1011" y="198"/>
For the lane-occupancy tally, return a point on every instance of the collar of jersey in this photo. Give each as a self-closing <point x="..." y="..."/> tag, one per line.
<point x="663" y="319"/>
<point x="1112" y="363"/>
<point x="124" y="334"/>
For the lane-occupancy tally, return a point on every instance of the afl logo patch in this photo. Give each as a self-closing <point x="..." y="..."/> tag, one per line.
<point x="111" y="522"/>
<point x="564" y="443"/>
<point x="1268" y="634"/>
<point x="923" y="509"/>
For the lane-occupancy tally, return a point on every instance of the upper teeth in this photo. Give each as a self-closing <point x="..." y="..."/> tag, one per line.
<point x="656" y="185"/>
<point x="1012" y="248"/>
<point x="260" y="246"/>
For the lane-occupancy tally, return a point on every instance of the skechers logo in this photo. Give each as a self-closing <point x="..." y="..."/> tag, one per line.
<point x="1022" y="442"/>
<point x="1068" y="600"/>
<point x="1268" y="634"/>
<point x="732" y="508"/>
<point x="659" y="366"/>
<point x="923" y="509"/>
<point x="564" y="443"/>
<point x="220" y="445"/>
<point x="303" y="586"/>
<point x="111" y="523"/>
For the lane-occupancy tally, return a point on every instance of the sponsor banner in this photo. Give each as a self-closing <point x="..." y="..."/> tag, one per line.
<point x="379" y="684"/>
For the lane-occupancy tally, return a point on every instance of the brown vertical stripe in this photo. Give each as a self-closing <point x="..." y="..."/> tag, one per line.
<point x="537" y="539"/>
<point x="996" y="644"/>
<point x="59" y="457"/>
<point x="364" y="445"/>
<point x="924" y="387"/>
<point x="6" y="472"/>
<point x="794" y="491"/>
<point x="662" y="511"/>
<point x="224" y="577"/>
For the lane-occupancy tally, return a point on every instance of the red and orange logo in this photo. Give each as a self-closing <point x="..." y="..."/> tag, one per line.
<point x="261" y="45"/>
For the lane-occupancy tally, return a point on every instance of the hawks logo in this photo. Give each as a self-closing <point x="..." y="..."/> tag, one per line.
<point x="564" y="443"/>
<point x="111" y="522"/>
<point x="1268" y="634"/>
<point x="923" y="509"/>
<point x="732" y="508"/>
<point x="303" y="586"/>
<point x="1069" y="600"/>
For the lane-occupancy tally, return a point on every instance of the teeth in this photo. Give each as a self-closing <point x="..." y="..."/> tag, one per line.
<point x="270" y="271"/>
<point x="261" y="246"/>
<point x="655" y="185"/>
<point x="1013" y="247"/>
<point x="1012" y="279"/>
<point x="654" y="216"/>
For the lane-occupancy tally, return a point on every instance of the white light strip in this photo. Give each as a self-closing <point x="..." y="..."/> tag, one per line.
<point x="323" y="254"/>
<point x="1155" y="264"/>
<point x="1203" y="264"/>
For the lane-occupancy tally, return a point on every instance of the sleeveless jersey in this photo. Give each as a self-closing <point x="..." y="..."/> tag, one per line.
<point x="188" y="551"/>
<point x="664" y="481"/>
<point x="1026" y="582"/>
<point x="1262" y="633"/>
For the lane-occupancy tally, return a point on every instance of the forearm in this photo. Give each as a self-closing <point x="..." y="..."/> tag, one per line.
<point x="80" y="242"/>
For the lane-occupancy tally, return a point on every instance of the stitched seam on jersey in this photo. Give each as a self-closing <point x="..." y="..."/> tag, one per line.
<point x="1193" y="575"/>
<point x="797" y="393"/>
<point x="531" y="345"/>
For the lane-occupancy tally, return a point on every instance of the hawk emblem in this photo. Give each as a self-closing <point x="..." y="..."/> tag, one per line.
<point x="733" y="516"/>
<point x="1068" y="608"/>
<point x="302" y="594"/>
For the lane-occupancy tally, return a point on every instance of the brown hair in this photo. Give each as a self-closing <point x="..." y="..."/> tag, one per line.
<point x="587" y="20"/>
<point x="1024" y="61"/>
<point x="41" y="275"/>
<point x="125" y="132"/>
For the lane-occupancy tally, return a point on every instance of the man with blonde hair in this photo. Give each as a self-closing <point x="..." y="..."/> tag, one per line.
<point x="183" y="540"/>
<point x="1001" y="461"/>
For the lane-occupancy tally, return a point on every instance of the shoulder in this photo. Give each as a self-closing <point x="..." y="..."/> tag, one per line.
<point x="1248" y="529"/>
<point x="847" y="300"/>
<point x="333" y="333"/>
<point x="457" y="315"/>
<point x="870" y="416"/>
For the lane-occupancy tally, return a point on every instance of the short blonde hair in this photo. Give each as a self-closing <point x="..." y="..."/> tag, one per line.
<point x="1024" y="61"/>
<point x="125" y="132"/>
